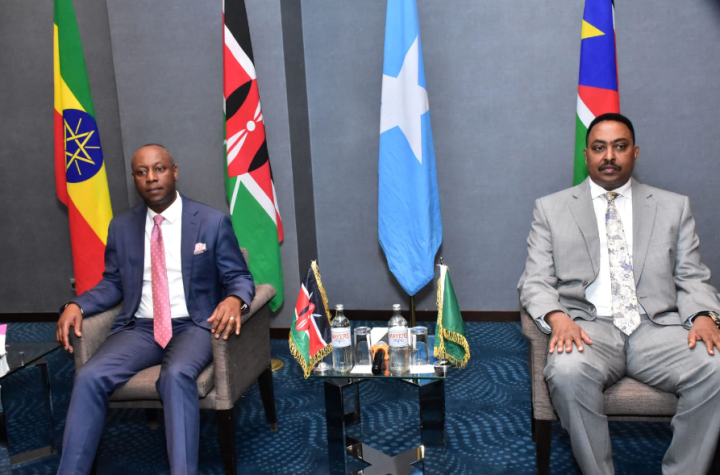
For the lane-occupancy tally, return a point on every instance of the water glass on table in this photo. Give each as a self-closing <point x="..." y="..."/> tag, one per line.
<point x="363" y="346"/>
<point x="419" y="347"/>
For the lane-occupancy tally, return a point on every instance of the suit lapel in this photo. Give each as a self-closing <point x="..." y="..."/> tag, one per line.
<point x="190" y="231"/>
<point x="644" y="210"/>
<point x="584" y="213"/>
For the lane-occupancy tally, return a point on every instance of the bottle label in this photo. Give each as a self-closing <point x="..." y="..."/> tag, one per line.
<point x="340" y="337"/>
<point x="398" y="337"/>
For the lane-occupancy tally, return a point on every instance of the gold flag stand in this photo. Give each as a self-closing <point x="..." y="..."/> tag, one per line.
<point x="276" y="364"/>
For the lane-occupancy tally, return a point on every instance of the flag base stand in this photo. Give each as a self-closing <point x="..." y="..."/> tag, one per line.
<point x="276" y="364"/>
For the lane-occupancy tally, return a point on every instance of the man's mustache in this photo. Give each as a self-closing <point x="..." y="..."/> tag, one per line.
<point x="609" y="164"/>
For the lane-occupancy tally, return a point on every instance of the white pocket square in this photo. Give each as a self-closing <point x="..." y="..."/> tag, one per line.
<point x="200" y="247"/>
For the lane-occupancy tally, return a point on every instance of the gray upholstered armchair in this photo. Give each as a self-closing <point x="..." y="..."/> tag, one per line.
<point x="627" y="400"/>
<point x="237" y="363"/>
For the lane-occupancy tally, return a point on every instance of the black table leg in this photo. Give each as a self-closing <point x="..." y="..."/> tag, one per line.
<point x="432" y="425"/>
<point x="48" y="401"/>
<point x="4" y="453"/>
<point x="335" y="419"/>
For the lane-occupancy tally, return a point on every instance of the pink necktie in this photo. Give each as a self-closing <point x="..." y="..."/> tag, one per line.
<point x="161" y="298"/>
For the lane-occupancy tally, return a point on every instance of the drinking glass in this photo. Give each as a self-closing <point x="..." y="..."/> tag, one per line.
<point x="420" y="350"/>
<point x="363" y="346"/>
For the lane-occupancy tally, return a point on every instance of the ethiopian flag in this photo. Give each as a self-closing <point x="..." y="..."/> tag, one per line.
<point x="310" y="330"/>
<point x="450" y="341"/>
<point x="80" y="176"/>
<point x="598" y="82"/>
<point x="249" y="182"/>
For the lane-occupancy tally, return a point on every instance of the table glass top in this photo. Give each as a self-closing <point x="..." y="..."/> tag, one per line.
<point x="425" y="372"/>
<point x="19" y="355"/>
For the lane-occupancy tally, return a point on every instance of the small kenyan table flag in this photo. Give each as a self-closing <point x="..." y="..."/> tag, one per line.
<point x="450" y="341"/>
<point x="310" y="329"/>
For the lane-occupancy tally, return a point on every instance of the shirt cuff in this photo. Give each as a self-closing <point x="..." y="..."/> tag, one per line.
<point x="245" y="306"/>
<point x="689" y="322"/>
<point x="542" y="324"/>
<point x="82" y="312"/>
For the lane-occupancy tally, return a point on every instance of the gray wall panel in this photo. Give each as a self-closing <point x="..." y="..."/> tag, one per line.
<point x="36" y="262"/>
<point x="168" y="63"/>
<point x="502" y="82"/>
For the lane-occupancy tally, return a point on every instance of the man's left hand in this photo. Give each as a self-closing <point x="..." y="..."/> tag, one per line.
<point x="227" y="315"/>
<point x="704" y="329"/>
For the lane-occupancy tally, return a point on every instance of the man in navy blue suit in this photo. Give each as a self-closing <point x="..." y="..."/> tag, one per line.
<point x="177" y="267"/>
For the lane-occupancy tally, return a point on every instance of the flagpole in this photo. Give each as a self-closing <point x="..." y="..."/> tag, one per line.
<point x="412" y="311"/>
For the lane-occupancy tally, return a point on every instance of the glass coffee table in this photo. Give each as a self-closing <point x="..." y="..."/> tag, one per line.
<point x="421" y="459"/>
<point x="17" y="357"/>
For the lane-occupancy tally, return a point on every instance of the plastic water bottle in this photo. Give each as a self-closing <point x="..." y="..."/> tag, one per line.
<point x="342" y="347"/>
<point x="398" y="342"/>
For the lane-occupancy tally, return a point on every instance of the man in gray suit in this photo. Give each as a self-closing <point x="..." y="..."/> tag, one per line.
<point x="614" y="268"/>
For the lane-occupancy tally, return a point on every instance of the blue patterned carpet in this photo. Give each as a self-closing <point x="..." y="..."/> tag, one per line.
<point x="488" y="419"/>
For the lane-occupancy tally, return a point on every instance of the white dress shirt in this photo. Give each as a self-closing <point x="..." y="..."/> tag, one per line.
<point x="171" y="229"/>
<point x="599" y="293"/>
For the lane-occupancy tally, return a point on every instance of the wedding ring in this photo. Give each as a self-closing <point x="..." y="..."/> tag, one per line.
<point x="232" y="318"/>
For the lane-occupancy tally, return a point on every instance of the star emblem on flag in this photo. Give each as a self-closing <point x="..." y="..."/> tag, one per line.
<point x="404" y="101"/>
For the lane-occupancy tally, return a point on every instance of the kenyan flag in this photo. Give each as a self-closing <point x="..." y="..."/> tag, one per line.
<point x="310" y="330"/>
<point x="248" y="179"/>
<point x="598" y="82"/>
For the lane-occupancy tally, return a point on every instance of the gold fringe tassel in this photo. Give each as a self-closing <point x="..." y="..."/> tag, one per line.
<point x="316" y="271"/>
<point x="440" y="350"/>
<point x="459" y="340"/>
<point x="444" y="334"/>
<point x="307" y="368"/>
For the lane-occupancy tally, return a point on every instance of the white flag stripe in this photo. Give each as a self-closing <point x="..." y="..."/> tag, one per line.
<point x="317" y="331"/>
<point x="584" y="113"/>
<point x="275" y="200"/>
<point x="239" y="54"/>
<point x="232" y="154"/>
<point x="259" y="195"/>
<point x="234" y="138"/>
<point x="234" y="196"/>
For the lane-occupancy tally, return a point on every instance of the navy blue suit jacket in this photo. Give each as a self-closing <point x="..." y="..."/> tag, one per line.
<point x="208" y="277"/>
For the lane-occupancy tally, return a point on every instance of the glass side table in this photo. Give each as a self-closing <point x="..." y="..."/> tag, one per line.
<point x="17" y="357"/>
<point x="431" y="400"/>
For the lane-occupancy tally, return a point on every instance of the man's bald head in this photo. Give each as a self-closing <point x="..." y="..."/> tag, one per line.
<point x="162" y="148"/>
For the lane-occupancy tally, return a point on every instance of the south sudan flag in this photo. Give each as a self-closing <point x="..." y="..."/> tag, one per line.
<point x="80" y="176"/>
<point x="598" y="82"/>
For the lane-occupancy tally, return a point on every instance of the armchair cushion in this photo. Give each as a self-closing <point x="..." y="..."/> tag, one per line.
<point x="142" y="385"/>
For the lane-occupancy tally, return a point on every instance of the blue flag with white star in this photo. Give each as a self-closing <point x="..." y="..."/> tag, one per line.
<point x="409" y="224"/>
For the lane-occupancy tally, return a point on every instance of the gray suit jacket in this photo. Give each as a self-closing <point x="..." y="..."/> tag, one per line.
<point x="564" y="256"/>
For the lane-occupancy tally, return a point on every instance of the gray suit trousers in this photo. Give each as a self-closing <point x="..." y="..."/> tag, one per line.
<point x="657" y="355"/>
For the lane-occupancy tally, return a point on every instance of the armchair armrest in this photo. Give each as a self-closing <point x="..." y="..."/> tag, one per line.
<point x="538" y="343"/>
<point x="95" y="329"/>
<point x="239" y="360"/>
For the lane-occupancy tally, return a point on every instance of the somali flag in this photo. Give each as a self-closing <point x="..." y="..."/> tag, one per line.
<point x="409" y="224"/>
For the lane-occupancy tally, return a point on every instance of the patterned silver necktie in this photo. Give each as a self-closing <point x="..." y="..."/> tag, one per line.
<point x="626" y="315"/>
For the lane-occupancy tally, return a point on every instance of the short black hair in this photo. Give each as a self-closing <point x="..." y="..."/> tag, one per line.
<point x="616" y="117"/>
<point x="164" y="148"/>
